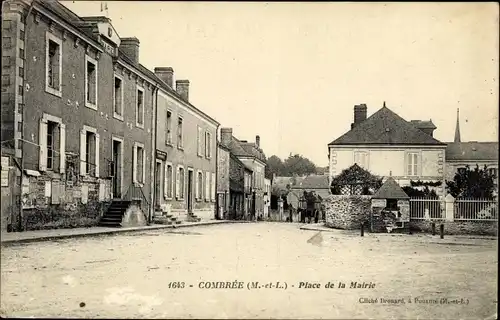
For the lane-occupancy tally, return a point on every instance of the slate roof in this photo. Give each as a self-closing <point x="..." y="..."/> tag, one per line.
<point x="312" y="182"/>
<point x="422" y="124"/>
<point x="385" y="127"/>
<point x="76" y="21"/>
<point x="475" y="151"/>
<point x="390" y="190"/>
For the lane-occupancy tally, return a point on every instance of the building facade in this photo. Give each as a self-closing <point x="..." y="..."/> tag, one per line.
<point x="387" y="145"/>
<point x="253" y="159"/>
<point x="460" y="154"/>
<point x="79" y="115"/>
<point x="223" y="184"/>
<point x="186" y="153"/>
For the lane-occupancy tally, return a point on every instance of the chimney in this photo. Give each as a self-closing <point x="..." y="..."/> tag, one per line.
<point x="257" y="141"/>
<point x="226" y="135"/>
<point x="359" y="114"/>
<point x="166" y="74"/>
<point x="182" y="88"/>
<point x="130" y="46"/>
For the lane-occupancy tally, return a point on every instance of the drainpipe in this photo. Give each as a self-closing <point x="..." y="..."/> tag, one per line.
<point x="153" y="155"/>
<point x="25" y="81"/>
<point x="216" y="207"/>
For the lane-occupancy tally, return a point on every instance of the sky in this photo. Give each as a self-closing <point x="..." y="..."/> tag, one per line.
<point x="292" y="72"/>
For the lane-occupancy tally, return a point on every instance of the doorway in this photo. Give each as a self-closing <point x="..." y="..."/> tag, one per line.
<point x="190" y="191"/>
<point x="158" y="180"/>
<point x="116" y="167"/>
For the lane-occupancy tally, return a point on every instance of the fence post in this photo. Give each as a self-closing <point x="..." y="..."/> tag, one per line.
<point x="449" y="208"/>
<point x="362" y="229"/>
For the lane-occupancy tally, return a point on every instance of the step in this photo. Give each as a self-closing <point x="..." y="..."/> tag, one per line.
<point x="113" y="214"/>
<point x="112" y="219"/>
<point x="109" y="224"/>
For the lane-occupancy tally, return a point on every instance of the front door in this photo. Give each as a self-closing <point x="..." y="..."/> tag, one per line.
<point x="117" y="145"/>
<point x="190" y="191"/>
<point x="158" y="181"/>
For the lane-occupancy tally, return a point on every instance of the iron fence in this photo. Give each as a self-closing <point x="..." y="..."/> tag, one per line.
<point x="468" y="209"/>
<point x="426" y="208"/>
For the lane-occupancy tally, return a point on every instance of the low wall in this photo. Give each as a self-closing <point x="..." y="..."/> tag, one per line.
<point x="133" y="217"/>
<point x="346" y="211"/>
<point x="489" y="228"/>
<point x="53" y="203"/>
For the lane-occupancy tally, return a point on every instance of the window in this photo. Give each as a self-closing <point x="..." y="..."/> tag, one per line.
<point x="139" y="110"/>
<point x="412" y="165"/>
<point x="52" y="143"/>
<point x="168" y="180"/>
<point x="90" y="82"/>
<point x="168" y="133"/>
<point x="207" y="186"/>
<point x="200" y="147"/>
<point x="208" y="145"/>
<point x="89" y="151"/>
<point x="53" y="65"/>
<point x="180" y="183"/>
<point x="118" y="98"/>
<point x="199" y="191"/>
<point x="139" y="163"/>
<point x="361" y="159"/>
<point x="51" y="136"/>
<point x="179" y="133"/>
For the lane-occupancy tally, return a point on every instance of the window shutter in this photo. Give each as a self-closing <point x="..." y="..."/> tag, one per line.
<point x="134" y="165"/>
<point x="165" y="184"/>
<point x="178" y="183"/>
<point x="212" y="194"/>
<point x="62" y="131"/>
<point x="207" y="185"/>
<point x="42" y="140"/>
<point x="143" y="164"/>
<point x="83" y="167"/>
<point x="197" y="186"/>
<point x="97" y="155"/>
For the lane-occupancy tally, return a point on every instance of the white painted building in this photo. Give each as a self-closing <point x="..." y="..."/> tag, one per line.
<point x="387" y="145"/>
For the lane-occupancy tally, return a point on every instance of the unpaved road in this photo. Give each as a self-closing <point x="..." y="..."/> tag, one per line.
<point x="129" y="275"/>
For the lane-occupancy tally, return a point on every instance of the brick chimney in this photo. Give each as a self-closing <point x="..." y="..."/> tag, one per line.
<point x="166" y="74"/>
<point x="226" y="135"/>
<point x="257" y="141"/>
<point x="130" y="46"/>
<point x="359" y="114"/>
<point x="182" y="88"/>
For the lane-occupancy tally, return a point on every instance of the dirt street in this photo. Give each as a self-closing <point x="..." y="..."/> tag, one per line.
<point x="140" y="275"/>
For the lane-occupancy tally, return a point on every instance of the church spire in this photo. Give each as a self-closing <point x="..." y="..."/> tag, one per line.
<point x="457" y="128"/>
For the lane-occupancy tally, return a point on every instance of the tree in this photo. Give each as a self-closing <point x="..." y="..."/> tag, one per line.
<point x="298" y="165"/>
<point x="476" y="183"/>
<point x="274" y="166"/>
<point x="355" y="180"/>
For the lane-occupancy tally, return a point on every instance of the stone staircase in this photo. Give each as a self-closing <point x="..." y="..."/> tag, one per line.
<point x="168" y="219"/>
<point x="114" y="215"/>
<point x="193" y="218"/>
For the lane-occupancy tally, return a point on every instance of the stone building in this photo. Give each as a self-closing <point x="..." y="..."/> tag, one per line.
<point x="461" y="154"/>
<point x="246" y="157"/>
<point x="79" y="120"/>
<point x="186" y="153"/>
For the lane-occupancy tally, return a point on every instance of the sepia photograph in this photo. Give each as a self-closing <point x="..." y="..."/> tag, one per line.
<point x="249" y="160"/>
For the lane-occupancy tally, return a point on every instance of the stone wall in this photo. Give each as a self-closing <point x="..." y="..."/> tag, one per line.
<point x="346" y="212"/>
<point x="457" y="227"/>
<point x="52" y="204"/>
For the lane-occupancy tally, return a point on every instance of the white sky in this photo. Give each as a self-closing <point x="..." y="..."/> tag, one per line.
<point x="292" y="72"/>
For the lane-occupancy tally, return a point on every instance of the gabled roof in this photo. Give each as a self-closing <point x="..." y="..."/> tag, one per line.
<point x="390" y="190"/>
<point x="312" y="182"/>
<point x="385" y="127"/>
<point x="475" y="151"/>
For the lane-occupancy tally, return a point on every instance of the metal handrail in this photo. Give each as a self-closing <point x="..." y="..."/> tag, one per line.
<point x="135" y="192"/>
